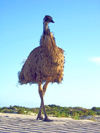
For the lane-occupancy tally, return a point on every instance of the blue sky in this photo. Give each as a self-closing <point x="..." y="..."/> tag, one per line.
<point x="76" y="30"/>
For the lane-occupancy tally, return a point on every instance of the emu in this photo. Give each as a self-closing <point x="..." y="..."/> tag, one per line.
<point x="44" y="64"/>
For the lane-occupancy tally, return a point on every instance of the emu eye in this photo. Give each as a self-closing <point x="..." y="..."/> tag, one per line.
<point x="46" y="19"/>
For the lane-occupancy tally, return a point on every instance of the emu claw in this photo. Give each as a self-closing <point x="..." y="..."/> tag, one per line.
<point x="47" y="120"/>
<point x="40" y="118"/>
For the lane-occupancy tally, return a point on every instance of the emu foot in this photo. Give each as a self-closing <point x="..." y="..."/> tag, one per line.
<point x="39" y="117"/>
<point x="47" y="120"/>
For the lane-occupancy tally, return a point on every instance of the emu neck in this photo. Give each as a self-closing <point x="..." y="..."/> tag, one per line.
<point x="46" y="29"/>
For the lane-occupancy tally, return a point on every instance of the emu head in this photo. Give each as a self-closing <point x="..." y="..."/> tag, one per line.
<point x="48" y="19"/>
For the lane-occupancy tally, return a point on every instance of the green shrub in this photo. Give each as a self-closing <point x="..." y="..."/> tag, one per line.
<point x="20" y="111"/>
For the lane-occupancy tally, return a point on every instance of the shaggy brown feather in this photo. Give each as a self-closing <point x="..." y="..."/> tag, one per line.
<point x="43" y="63"/>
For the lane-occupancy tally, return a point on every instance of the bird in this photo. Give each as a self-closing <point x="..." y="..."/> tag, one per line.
<point x="44" y="64"/>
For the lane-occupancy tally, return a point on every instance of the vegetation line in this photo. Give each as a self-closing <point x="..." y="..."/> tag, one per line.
<point x="56" y="111"/>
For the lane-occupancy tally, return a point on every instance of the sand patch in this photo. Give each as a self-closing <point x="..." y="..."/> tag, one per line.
<point x="11" y="123"/>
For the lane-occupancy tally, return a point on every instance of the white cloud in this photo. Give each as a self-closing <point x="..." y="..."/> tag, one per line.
<point x="95" y="59"/>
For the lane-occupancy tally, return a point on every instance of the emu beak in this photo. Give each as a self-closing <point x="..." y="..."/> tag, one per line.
<point x="52" y="21"/>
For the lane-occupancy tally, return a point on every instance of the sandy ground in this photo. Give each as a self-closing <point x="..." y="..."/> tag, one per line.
<point x="16" y="123"/>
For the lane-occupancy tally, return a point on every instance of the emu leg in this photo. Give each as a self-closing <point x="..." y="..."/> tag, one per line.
<point x="46" y="117"/>
<point x="40" y="117"/>
<point x="44" y="90"/>
<point x="41" y="93"/>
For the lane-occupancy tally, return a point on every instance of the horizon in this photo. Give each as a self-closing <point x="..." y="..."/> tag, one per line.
<point x="48" y="105"/>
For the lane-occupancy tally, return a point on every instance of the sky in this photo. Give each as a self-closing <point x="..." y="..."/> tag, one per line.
<point x="77" y="32"/>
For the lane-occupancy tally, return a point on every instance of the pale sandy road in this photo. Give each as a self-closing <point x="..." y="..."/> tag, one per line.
<point x="14" y="123"/>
